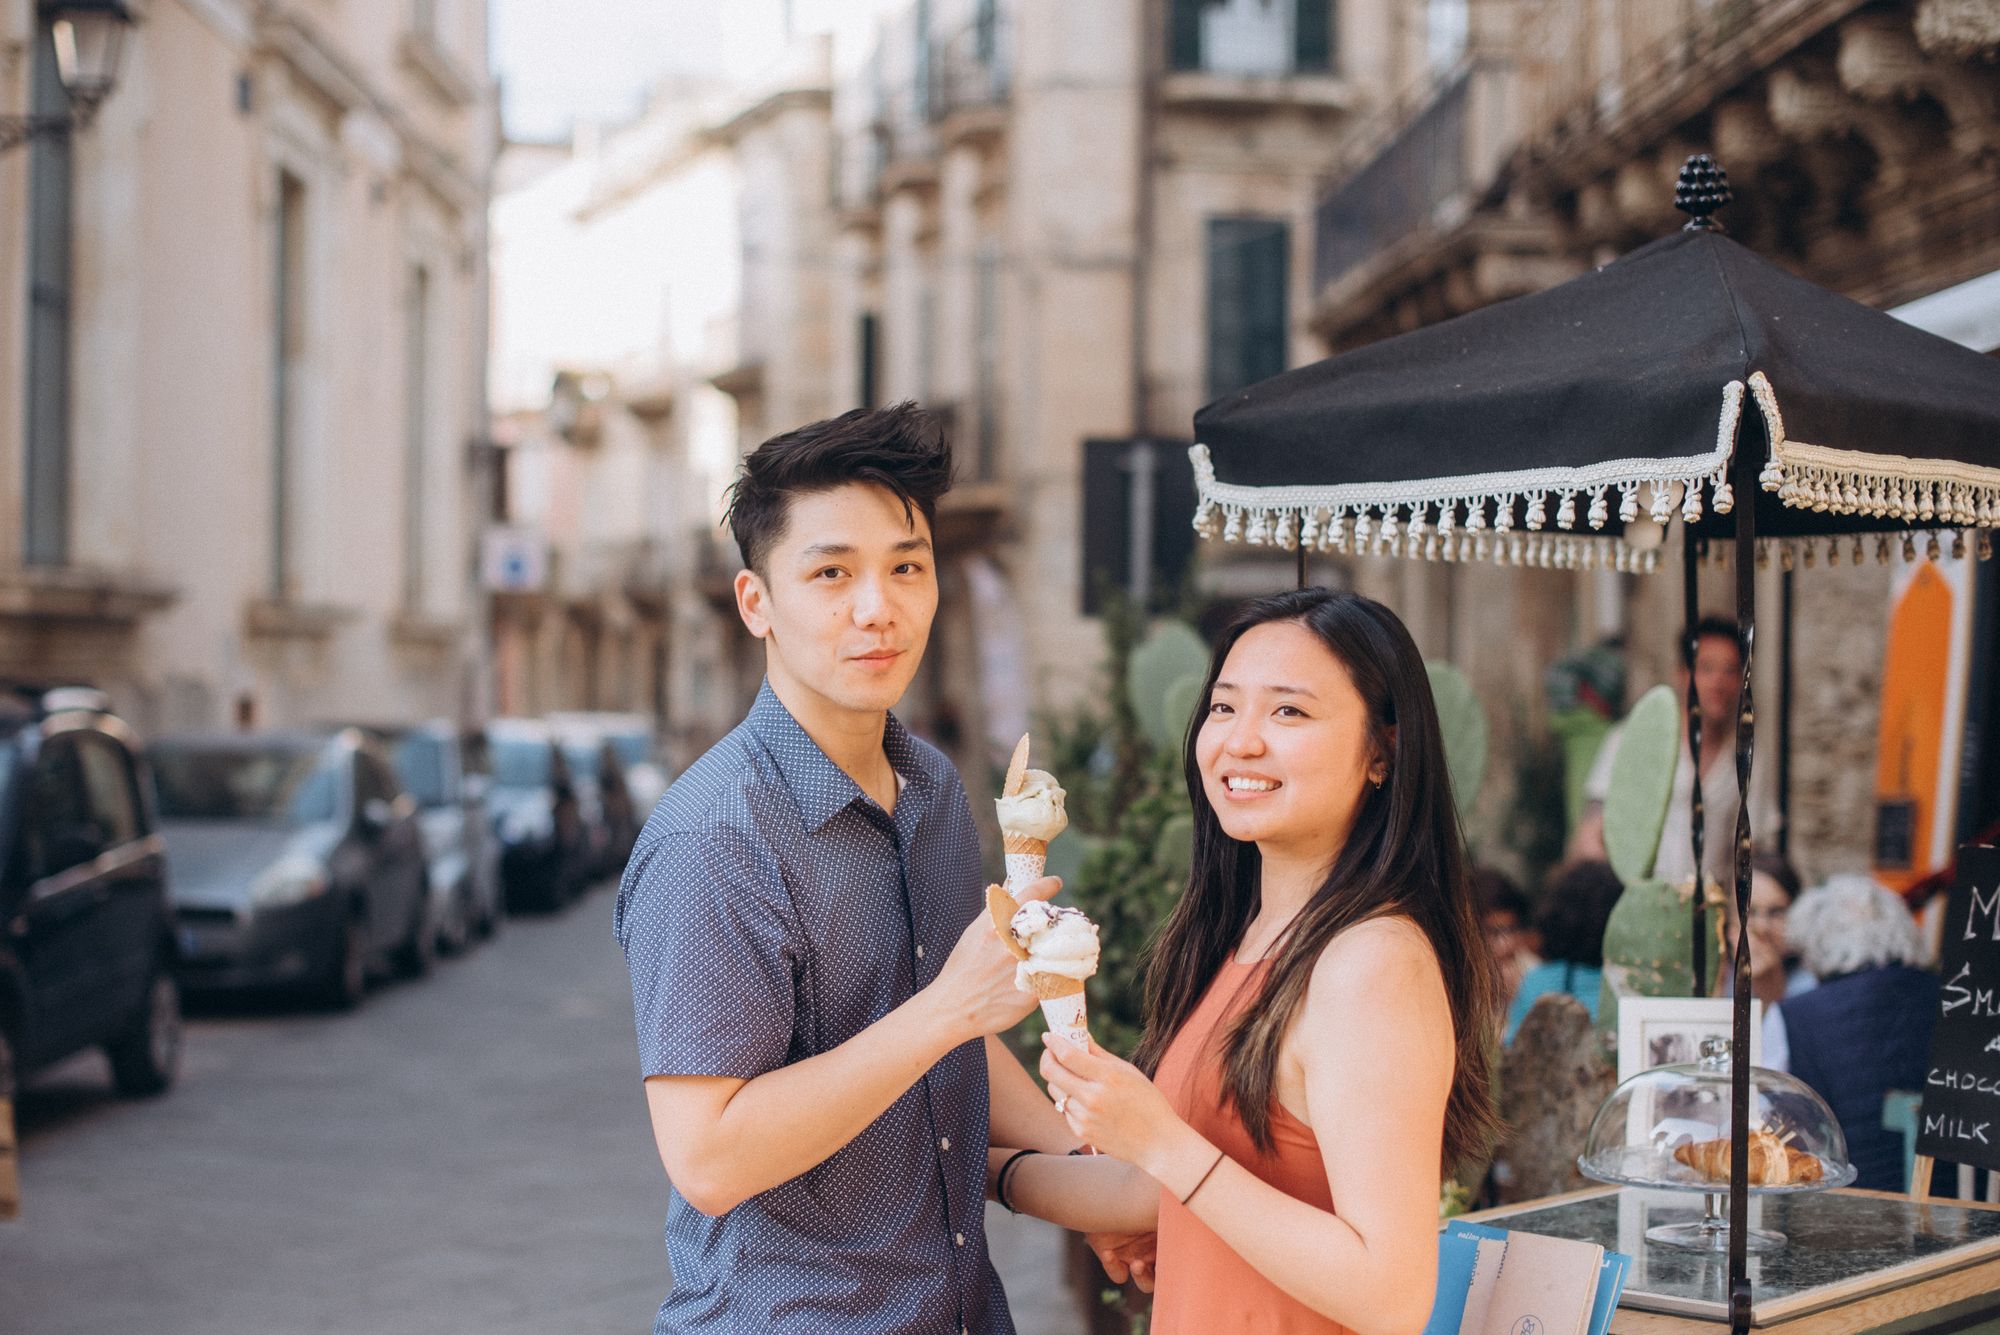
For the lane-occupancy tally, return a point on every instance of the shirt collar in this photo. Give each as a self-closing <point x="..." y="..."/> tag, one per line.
<point x="821" y="788"/>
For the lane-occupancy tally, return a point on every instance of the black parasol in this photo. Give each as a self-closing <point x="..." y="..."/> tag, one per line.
<point x="1688" y="378"/>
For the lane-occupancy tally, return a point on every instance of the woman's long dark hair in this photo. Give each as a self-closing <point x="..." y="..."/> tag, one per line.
<point x="1405" y="856"/>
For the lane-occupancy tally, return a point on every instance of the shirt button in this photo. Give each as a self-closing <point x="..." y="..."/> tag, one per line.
<point x="944" y="1142"/>
<point x="958" y="1238"/>
<point x="920" y="952"/>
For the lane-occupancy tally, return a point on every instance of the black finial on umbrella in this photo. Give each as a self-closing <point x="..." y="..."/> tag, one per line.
<point x="1702" y="189"/>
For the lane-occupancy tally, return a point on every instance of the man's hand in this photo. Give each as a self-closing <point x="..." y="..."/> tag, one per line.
<point x="975" y="993"/>
<point x="1126" y="1256"/>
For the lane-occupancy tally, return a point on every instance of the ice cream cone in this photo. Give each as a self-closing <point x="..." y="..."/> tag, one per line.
<point x="1027" y="858"/>
<point x="1063" y="1006"/>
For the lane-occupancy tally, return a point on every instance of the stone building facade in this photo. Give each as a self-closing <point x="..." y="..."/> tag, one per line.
<point x="660" y="294"/>
<point x="1861" y="142"/>
<point x="242" y="409"/>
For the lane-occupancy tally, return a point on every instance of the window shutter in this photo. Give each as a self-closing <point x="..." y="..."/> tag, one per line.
<point x="1312" y="35"/>
<point x="1184" y="34"/>
<point x="1247" y="273"/>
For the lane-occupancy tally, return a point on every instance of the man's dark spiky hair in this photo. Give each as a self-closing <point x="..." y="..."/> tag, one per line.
<point x="899" y="448"/>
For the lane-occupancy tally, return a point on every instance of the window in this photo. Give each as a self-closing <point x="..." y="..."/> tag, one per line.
<point x="109" y="792"/>
<point x="1250" y="36"/>
<point x="45" y="529"/>
<point x="868" y="389"/>
<point x="287" y="354"/>
<point x="1247" y="279"/>
<point x="56" y="830"/>
<point x="1445" y="24"/>
<point x="416" y="432"/>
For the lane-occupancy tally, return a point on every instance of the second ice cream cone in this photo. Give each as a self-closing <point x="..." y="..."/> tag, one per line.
<point x="1065" y="1012"/>
<point x="1027" y="859"/>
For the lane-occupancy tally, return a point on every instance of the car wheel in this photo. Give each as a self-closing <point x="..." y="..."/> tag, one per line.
<point x="346" y="981"/>
<point x="455" y="932"/>
<point x="147" y="1056"/>
<point x="419" y="946"/>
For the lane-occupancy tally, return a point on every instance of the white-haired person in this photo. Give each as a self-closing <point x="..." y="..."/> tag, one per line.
<point x="1866" y="1029"/>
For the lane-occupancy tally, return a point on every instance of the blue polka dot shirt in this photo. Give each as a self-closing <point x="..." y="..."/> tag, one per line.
<point x="772" y="911"/>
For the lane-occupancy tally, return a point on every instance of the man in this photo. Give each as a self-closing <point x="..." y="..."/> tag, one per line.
<point x="1718" y="687"/>
<point x="816" y="984"/>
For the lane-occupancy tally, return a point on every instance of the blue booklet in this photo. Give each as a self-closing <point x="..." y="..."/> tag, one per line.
<point x="1458" y="1252"/>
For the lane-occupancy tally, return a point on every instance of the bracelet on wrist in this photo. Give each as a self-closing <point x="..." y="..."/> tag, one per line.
<point x="1208" y="1172"/>
<point x="1000" y="1178"/>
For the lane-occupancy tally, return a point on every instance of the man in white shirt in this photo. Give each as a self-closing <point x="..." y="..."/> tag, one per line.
<point x="1718" y="681"/>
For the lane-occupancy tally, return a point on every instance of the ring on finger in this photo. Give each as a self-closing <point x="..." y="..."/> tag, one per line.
<point x="1062" y="1103"/>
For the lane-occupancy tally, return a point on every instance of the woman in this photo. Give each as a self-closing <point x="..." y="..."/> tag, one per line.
<point x="1866" y="1029"/>
<point x="1505" y="920"/>
<point x="1575" y="909"/>
<point x="1774" y="887"/>
<point x="1318" y="1004"/>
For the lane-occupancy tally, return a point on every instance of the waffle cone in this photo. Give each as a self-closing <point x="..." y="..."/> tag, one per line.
<point x="1024" y="843"/>
<point x="1049" y="986"/>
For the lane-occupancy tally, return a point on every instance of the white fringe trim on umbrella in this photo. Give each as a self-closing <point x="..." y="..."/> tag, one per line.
<point x="1854" y="482"/>
<point x="1447" y="518"/>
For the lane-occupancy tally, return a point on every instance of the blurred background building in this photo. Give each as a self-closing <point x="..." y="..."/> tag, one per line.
<point x="1064" y="227"/>
<point x="243" y="386"/>
<point x="255" y="466"/>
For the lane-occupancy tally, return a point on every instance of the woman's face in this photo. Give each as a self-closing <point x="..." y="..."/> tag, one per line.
<point x="1284" y="749"/>
<point x="1768" y="907"/>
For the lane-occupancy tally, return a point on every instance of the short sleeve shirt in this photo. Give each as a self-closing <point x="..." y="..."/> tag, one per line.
<point x="772" y="911"/>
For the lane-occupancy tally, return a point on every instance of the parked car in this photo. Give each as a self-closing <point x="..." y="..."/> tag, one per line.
<point x="442" y="768"/>
<point x="87" y="957"/>
<point x="548" y="850"/>
<point x="298" y="861"/>
<point x="631" y="737"/>
<point x="609" y="817"/>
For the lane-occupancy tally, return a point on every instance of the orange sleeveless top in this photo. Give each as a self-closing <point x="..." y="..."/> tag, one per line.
<point x="1205" y="1288"/>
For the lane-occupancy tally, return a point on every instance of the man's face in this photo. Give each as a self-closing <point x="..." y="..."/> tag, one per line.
<point x="845" y="604"/>
<point x="1718" y="680"/>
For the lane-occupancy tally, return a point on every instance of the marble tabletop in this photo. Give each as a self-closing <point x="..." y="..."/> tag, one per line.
<point x="1841" y="1245"/>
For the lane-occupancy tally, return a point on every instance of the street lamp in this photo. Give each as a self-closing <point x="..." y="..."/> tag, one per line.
<point x="89" y="37"/>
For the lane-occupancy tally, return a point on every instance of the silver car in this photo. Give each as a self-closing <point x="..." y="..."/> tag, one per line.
<point x="297" y="861"/>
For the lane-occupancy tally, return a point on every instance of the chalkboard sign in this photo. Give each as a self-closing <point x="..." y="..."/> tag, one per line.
<point x="1960" y="1122"/>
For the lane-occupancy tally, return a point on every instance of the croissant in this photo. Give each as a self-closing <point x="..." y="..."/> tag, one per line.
<point x="1773" y="1163"/>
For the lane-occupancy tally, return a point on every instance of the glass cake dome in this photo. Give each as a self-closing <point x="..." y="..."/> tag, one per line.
<point x="1669" y="1128"/>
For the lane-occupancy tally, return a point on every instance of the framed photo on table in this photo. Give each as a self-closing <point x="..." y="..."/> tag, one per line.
<point x="1667" y="1031"/>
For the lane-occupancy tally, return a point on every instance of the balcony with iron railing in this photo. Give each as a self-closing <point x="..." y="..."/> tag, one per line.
<point x="1412" y="171"/>
<point x="970" y="76"/>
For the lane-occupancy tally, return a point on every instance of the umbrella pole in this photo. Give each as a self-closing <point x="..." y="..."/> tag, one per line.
<point x="1691" y="613"/>
<point x="1786" y="610"/>
<point x="1302" y="565"/>
<point x="1745" y="466"/>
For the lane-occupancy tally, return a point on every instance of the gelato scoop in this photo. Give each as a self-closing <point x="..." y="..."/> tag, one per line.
<point x="1061" y="943"/>
<point x="1030" y="807"/>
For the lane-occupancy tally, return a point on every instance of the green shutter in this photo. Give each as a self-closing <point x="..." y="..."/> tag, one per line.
<point x="1248" y="267"/>
<point x="1312" y="35"/>
<point x="1184" y="34"/>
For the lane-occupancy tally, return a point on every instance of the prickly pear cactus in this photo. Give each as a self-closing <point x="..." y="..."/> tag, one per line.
<point x="1462" y="720"/>
<point x="1649" y="940"/>
<point x="1642" y="782"/>
<point x="1172" y="652"/>
<point x="1173" y="852"/>
<point x="1648" y="947"/>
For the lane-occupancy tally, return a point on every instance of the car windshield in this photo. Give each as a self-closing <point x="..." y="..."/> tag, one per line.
<point x="630" y="746"/>
<point x="421" y="766"/>
<point x="279" y="785"/>
<point x="520" y="763"/>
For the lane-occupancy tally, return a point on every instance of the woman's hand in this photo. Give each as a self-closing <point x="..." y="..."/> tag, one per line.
<point x="1108" y="1102"/>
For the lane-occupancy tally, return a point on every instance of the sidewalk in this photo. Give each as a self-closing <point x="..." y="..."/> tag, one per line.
<point x="1034" y="1267"/>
